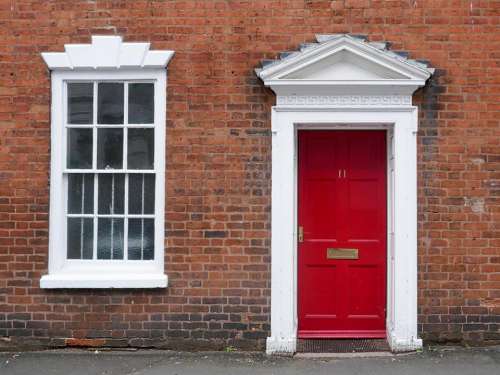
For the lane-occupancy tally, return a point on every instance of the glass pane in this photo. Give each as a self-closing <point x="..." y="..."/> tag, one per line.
<point x="80" y="193"/>
<point x="79" y="153"/>
<point x="141" y="148"/>
<point x="110" y="103"/>
<point x="141" y="103"/>
<point x="80" y="103"/>
<point x="80" y="237"/>
<point x="109" y="148"/>
<point x="111" y="193"/>
<point x="141" y="199"/>
<point x="110" y="238"/>
<point x="148" y="249"/>
<point x="141" y="233"/>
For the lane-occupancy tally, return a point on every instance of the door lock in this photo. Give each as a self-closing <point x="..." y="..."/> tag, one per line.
<point x="301" y="234"/>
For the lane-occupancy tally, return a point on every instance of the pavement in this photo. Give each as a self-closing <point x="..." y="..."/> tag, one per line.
<point x="433" y="360"/>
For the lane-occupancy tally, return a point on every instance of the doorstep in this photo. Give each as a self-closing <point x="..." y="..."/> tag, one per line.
<point x="342" y="348"/>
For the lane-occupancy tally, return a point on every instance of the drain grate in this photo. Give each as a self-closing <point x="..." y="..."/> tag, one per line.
<point x="342" y="346"/>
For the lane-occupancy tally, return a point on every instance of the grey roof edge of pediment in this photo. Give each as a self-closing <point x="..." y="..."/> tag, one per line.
<point x="270" y="67"/>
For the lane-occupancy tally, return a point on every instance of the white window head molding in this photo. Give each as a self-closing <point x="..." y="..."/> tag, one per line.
<point x="108" y="123"/>
<point x="107" y="52"/>
<point x="345" y="82"/>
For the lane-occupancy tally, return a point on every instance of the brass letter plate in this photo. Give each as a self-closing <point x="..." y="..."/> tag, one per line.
<point x="341" y="253"/>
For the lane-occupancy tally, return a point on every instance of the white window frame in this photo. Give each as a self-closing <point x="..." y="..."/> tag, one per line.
<point x="75" y="273"/>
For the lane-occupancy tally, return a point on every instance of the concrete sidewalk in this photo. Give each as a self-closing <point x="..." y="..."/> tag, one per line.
<point x="435" y="361"/>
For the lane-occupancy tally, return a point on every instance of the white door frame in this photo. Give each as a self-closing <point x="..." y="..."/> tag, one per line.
<point x="401" y="122"/>
<point x="345" y="82"/>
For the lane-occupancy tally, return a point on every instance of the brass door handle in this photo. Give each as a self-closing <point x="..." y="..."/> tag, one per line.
<point x="301" y="234"/>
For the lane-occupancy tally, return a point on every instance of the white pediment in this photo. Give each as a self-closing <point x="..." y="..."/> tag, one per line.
<point x="340" y="64"/>
<point x="344" y="66"/>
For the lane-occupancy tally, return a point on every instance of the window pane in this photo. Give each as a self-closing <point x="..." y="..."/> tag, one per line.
<point x="149" y="239"/>
<point x="111" y="193"/>
<point x="141" y="235"/>
<point x="140" y="103"/>
<point x="79" y="153"/>
<point x="141" y="194"/>
<point x="140" y="148"/>
<point x="109" y="148"/>
<point x="80" y="237"/>
<point x="110" y="238"/>
<point x="80" y="103"/>
<point x="110" y="103"/>
<point x="80" y="193"/>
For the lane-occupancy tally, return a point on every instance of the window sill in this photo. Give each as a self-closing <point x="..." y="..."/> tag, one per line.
<point x="106" y="281"/>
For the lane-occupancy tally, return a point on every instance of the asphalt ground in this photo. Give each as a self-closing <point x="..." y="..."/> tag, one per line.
<point x="433" y="360"/>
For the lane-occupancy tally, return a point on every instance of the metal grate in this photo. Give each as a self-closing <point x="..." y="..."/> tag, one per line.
<point x="342" y="346"/>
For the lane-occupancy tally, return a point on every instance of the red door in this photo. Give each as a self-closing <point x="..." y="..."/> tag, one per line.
<point x="342" y="251"/>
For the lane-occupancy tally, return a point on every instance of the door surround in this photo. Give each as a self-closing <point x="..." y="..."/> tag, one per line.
<point x="401" y="226"/>
<point x="345" y="82"/>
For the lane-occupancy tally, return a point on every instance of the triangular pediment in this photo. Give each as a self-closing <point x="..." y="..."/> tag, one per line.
<point x="344" y="65"/>
<point x="342" y="60"/>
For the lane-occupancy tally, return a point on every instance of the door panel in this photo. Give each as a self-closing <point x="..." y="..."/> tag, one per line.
<point x="319" y="228"/>
<point x="365" y="291"/>
<point x="342" y="204"/>
<point x="362" y="208"/>
<point x="319" y="300"/>
<point x="322" y="183"/>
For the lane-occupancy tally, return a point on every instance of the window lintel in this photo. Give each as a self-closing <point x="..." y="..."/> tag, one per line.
<point x="107" y="52"/>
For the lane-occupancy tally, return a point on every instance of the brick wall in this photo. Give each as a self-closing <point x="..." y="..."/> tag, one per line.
<point x="218" y="165"/>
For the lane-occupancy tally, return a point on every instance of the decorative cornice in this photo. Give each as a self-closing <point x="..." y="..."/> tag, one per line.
<point x="107" y="52"/>
<point x="344" y="100"/>
<point x="309" y="52"/>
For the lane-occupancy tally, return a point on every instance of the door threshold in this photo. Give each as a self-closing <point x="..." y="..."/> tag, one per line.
<point x="345" y="334"/>
<point x="342" y="346"/>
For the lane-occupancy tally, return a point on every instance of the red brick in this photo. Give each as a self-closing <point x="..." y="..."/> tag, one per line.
<point x="218" y="158"/>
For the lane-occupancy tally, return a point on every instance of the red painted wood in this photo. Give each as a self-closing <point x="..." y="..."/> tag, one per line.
<point x="338" y="297"/>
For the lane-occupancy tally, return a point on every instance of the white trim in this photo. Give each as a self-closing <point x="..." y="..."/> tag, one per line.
<point x="64" y="273"/>
<point x="343" y="100"/>
<point x="104" y="281"/>
<point x="363" y="51"/>
<point x="107" y="52"/>
<point x="332" y="102"/>
<point x="402" y="285"/>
